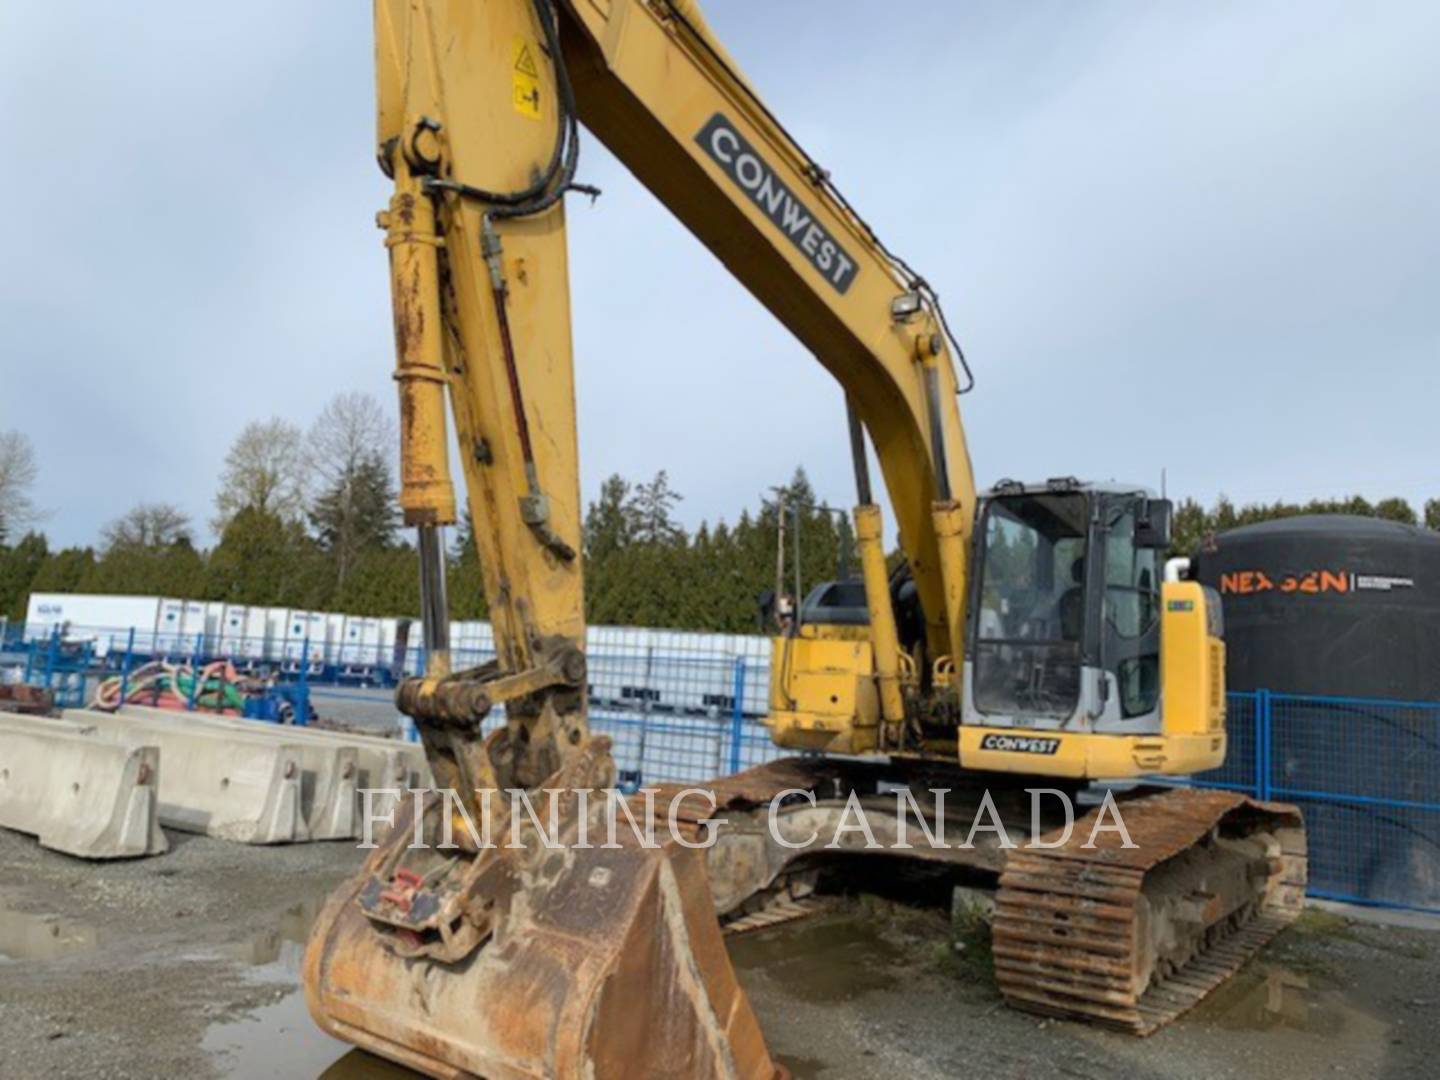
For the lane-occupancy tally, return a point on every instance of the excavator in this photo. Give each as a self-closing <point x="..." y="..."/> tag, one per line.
<point x="1025" y="643"/>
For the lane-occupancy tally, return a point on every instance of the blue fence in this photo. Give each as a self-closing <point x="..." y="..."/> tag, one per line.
<point x="686" y="707"/>
<point x="1366" y="774"/>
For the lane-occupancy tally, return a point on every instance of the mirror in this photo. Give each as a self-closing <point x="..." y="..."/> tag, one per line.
<point x="766" y="604"/>
<point x="1152" y="523"/>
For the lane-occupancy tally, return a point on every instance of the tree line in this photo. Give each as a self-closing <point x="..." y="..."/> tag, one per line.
<point x="308" y="519"/>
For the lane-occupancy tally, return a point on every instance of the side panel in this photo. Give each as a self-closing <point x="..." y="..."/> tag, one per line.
<point x="1088" y="756"/>
<point x="823" y="695"/>
<point x="1192" y="661"/>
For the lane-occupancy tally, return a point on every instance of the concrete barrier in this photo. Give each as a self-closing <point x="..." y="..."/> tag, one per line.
<point x="219" y="783"/>
<point x="379" y="762"/>
<point x="382" y="762"/>
<point x="328" y="772"/>
<point x="85" y="797"/>
<point x="413" y="770"/>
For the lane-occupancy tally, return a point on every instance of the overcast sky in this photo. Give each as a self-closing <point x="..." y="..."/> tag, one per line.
<point x="1198" y="236"/>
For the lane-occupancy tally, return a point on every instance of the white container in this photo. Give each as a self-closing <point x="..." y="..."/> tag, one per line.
<point x="385" y="644"/>
<point x="375" y="651"/>
<point x="415" y="649"/>
<point x="465" y="644"/>
<point x="691" y="672"/>
<point x="195" y="626"/>
<point x="360" y="646"/>
<point x="350" y="635"/>
<point x="305" y="629"/>
<point x="214" y="626"/>
<point x="620" y="665"/>
<point x="256" y="639"/>
<point x="234" y="622"/>
<point x="84" y="615"/>
<point x="334" y="636"/>
<point x="170" y="627"/>
<point x="277" y="624"/>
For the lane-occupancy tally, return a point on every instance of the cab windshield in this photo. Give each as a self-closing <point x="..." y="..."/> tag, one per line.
<point x="1032" y="605"/>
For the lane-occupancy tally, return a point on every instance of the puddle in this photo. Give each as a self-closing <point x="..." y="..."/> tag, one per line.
<point x="1266" y="997"/>
<point x="282" y="944"/>
<point x="823" y="959"/>
<point x="280" y="1039"/>
<point x="43" y="937"/>
<point x="358" y="1065"/>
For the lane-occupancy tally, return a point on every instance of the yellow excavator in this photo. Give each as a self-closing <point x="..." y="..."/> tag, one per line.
<point x="1026" y="642"/>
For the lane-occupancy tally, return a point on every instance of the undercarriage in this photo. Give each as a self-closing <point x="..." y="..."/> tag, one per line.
<point x="609" y="961"/>
<point x="1084" y="926"/>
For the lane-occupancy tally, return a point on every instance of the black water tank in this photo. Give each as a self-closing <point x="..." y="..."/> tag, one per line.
<point x="1329" y="604"/>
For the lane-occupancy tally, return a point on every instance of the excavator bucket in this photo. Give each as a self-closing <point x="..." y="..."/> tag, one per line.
<point x="599" y="962"/>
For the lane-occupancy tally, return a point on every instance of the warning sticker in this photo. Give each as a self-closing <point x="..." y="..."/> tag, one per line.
<point x="524" y="79"/>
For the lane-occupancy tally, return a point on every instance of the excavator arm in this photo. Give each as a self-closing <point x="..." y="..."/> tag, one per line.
<point x="477" y="124"/>
<point x="536" y="959"/>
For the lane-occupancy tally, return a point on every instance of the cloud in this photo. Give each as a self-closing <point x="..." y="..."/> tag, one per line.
<point x="1192" y="237"/>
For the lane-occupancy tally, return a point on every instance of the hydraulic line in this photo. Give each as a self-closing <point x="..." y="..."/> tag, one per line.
<point x="559" y="174"/>
<point x="863" y="495"/>
<point x="937" y="432"/>
<point x="434" y="609"/>
<point x="535" y="199"/>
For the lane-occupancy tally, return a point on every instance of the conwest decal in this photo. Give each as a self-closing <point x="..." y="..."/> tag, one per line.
<point x="1020" y="744"/>
<point x="728" y="149"/>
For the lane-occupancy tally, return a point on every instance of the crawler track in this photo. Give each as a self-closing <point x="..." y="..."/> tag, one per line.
<point x="1128" y="938"/>
<point x="1077" y="933"/>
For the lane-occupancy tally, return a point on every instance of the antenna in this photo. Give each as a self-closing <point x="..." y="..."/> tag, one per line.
<point x="1162" y="481"/>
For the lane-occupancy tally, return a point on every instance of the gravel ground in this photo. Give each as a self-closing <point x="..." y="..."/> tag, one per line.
<point x="120" y="969"/>
<point x="878" y="991"/>
<point x="187" y="965"/>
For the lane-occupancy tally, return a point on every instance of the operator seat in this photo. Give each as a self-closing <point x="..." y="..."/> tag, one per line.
<point x="1072" y="603"/>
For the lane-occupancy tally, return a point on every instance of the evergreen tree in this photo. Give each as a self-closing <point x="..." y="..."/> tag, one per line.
<point x="267" y="561"/>
<point x="355" y="514"/>
<point x="1188" y="526"/>
<point x="18" y="568"/>
<point x="65" y="571"/>
<point x="138" y="569"/>
<point x="608" y="521"/>
<point x="1192" y="524"/>
<point x="464" y="582"/>
<point x="1396" y="510"/>
<point x="650" y="512"/>
<point x="386" y="581"/>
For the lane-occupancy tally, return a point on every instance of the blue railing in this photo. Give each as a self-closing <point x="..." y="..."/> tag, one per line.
<point x="1366" y="774"/>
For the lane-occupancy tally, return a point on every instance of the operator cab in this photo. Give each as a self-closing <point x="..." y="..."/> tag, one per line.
<point x="1064" y="614"/>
